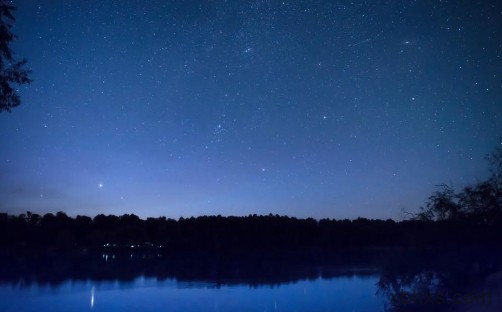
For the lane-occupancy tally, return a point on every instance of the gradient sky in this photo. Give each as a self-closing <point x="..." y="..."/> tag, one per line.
<point x="332" y="109"/>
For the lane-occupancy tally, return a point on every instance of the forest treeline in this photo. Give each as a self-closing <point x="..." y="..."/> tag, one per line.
<point x="471" y="216"/>
<point x="218" y="233"/>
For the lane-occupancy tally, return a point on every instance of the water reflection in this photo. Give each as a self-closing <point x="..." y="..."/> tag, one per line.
<point x="250" y="269"/>
<point x="458" y="280"/>
<point x="149" y="294"/>
<point x="453" y="281"/>
<point x="93" y="289"/>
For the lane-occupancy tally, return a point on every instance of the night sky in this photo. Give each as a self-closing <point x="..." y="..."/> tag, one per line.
<point x="333" y="109"/>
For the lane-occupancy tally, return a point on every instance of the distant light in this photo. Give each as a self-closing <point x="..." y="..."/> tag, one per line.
<point x="100" y="185"/>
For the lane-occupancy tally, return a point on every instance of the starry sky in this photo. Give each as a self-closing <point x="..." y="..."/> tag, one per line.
<point x="333" y="109"/>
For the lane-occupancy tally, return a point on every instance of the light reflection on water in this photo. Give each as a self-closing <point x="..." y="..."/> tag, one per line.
<point x="148" y="294"/>
<point x="93" y="290"/>
<point x="398" y="280"/>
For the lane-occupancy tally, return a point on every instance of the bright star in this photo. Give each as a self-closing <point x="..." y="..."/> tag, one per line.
<point x="100" y="185"/>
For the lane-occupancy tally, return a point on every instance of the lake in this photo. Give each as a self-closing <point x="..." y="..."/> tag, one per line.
<point x="105" y="282"/>
<point x="148" y="294"/>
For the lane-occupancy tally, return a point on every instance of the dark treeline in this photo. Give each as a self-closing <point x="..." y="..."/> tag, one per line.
<point x="472" y="216"/>
<point x="217" y="233"/>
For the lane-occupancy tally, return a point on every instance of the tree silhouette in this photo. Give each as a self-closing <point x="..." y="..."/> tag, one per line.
<point x="481" y="203"/>
<point x="441" y="205"/>
<point x="12" y="72"/>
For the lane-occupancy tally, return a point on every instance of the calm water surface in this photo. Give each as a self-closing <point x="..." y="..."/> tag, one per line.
<point x="354" y="293"/>
<point x="461" y="280"/>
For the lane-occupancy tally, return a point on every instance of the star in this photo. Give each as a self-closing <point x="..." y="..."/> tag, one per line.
<point x="238" y="98"/>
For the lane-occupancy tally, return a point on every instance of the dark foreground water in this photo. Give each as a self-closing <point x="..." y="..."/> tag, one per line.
<point x="395" y="281"/>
